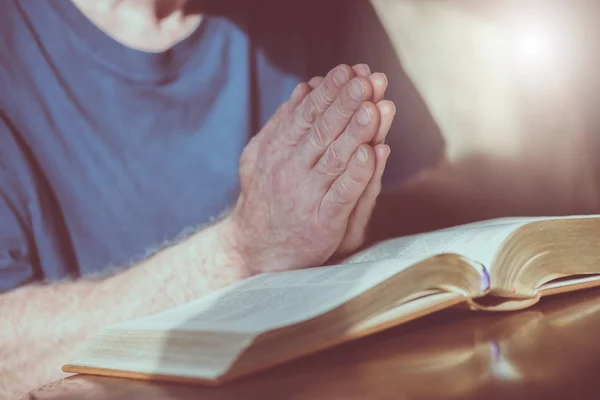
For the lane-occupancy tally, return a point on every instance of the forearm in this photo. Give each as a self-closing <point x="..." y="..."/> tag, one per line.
<point x="44" y="327"/>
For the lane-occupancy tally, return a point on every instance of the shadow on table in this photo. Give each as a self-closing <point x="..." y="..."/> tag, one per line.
<point x="550" y="351"/>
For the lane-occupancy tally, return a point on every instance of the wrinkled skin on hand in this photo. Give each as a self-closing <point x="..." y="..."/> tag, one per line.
<point x="310" y="177"/>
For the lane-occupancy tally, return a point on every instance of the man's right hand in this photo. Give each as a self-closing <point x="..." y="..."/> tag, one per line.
<point x="303" y="174"/>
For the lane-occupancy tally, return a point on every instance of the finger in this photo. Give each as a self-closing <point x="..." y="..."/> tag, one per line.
<point x="362" y="70"/>
<point x="366" y="203"/>
<point x="321" y="98"/>
<point x="300" y="92"/>
<point x="378" y="80"/>
<point x="387" y="111"/>
<point x="380" y="84"/>
<point x="342" y="196"/>
<point x="361" y="130"/>
<point x="359" y="219"/>
<point x="334" y="120"/>
<point x="315" y="82"/>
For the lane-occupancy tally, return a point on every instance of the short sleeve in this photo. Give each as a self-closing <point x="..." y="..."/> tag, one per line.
<point x="33" y="244"/>
<point x="16" y="267"/>
<point x="16" y="252"/>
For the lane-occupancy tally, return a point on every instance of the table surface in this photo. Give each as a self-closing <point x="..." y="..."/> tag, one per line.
<point x="550" y="351"/>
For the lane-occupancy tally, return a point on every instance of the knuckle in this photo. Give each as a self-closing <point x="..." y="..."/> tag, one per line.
<point x="341" y="192"/>
<point x="270" y="149"/>
<point x="268" y="146"/>
<point x="322" y="128"/>
<point x="308" y="112"/>
<point x="342" y="66"/>
<point x="342" y="108"/>
<point x="333" y="162"/>
<point x="324" y="94"/>
<point x="319" y="134"/>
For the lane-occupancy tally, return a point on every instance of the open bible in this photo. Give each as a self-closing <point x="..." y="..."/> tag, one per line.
<point x="504" y="264"/>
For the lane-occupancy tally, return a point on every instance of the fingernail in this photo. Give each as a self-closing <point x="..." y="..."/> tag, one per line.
<point x="340" y="76"/>
<point x="362" y="156"/>
<point x="357" y="89"/>
<point x="366" y="67"/>
<point x="385" y="78"/>
<point x="364" y="116"/>
<point x="389" y="150"/>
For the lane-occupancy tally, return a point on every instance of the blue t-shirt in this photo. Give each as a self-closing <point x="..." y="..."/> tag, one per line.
<point x="108" y="152"/>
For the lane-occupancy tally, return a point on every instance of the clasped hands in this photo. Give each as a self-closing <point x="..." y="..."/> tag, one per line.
<point x="310" y="178"/>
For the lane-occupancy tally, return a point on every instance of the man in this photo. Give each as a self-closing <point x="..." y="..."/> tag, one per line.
<point x="122" y="124"/>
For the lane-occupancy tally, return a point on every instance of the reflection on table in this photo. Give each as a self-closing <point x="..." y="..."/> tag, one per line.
<point x="551" y="350"/>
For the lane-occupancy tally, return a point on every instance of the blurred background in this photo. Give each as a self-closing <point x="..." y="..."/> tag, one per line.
<point x="497" y="112"/>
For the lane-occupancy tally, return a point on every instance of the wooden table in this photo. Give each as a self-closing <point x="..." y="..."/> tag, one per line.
<point x="551" y="351"/>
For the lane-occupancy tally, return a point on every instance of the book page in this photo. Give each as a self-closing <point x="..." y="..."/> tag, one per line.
<point x="273" y="300"/>
<point x="409" y="308"/>
<point x="478" y="241"/>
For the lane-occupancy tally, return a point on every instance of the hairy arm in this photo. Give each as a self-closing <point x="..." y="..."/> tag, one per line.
<point x="44" y="326"/>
